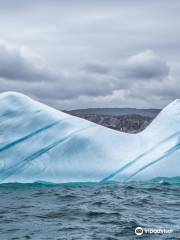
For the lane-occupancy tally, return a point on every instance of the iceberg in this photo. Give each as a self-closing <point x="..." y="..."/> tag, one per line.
<point x="39" y="143"/>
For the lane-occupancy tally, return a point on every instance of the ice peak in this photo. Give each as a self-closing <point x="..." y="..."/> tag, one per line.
<point x="173" y="107"/>
<point x="15" y="100"/>
<point x="174" y="103"/>
<point x="12" y="94"/>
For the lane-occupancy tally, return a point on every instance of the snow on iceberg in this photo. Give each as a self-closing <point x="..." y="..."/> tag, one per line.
<point x="39" y="143"/>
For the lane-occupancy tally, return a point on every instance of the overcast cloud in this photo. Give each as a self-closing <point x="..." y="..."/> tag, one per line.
<point x="79" y="54"/>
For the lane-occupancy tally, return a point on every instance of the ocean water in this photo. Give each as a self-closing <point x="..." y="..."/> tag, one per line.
<point x="88" y="211"/>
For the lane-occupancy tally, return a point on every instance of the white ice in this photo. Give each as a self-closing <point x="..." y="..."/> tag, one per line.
<point x="39" y="143"/>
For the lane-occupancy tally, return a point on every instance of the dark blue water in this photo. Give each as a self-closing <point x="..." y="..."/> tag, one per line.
<point x="108" y="211"/>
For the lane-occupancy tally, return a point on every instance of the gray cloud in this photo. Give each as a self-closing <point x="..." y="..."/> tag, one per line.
<point x="147" y="65"/>
<point x="96" y="67"/>
<point x="93" y="79"/>
<point x="91" y="53"/>
<point x="15" y="64"/>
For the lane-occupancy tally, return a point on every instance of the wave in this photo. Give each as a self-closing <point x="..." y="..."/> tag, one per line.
<point x="159" y="181"/>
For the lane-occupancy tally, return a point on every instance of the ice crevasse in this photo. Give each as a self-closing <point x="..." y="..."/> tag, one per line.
<point x="39" y="143"/>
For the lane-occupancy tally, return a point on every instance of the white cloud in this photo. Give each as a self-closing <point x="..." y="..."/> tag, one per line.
<point x="147" y="65"/>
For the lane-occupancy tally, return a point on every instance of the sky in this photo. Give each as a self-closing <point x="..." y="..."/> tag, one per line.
<point x="74" y="54"/>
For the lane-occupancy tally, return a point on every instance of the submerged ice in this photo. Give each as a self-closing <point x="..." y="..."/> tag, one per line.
<point x="39" y="143"/>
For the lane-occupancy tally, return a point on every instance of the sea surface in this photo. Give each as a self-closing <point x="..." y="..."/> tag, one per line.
<point x="89" y="211"/>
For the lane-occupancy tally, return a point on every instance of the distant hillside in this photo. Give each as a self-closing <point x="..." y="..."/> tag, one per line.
<point x="129" y="120"/>
<point x="118" y="111"/>
<point x="124" y="123"/>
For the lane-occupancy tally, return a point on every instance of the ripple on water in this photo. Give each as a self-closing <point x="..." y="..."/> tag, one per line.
<point x="110" y="211"/>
